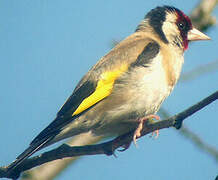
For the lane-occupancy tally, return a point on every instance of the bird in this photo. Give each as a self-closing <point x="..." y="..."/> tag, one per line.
<point x="127" y="86"/>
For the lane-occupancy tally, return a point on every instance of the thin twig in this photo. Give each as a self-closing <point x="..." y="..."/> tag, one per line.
<point x="194" y="138"/>
<point x="201" y="16"/>
<point x="199" y="71"/>
<point x="200" y="143"/>
<point x="50" y="170"/>
<point x="109" y="147"/>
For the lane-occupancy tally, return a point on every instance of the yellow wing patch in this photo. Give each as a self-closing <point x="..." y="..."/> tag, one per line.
<point x="103" y="89"/>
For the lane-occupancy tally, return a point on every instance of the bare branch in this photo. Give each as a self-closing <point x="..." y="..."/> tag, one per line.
<point x="201" y="16"/>
<point x="50" y="170"/>
<point x="194" y="138"/>
<point x="212" y="151"/>
<point x="109" y="147"/>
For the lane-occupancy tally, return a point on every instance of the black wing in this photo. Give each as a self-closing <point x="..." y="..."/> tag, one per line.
<point x="148" y="54"/>
<point x="63" y="117"/>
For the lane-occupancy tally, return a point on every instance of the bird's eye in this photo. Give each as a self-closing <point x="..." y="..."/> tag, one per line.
<point x="181" y="26"/>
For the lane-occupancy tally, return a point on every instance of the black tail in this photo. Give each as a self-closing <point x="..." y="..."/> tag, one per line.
<point x="40" y="141"/>
<point x="28" y="152"/>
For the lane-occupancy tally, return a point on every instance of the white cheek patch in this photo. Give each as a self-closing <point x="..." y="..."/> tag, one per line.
<point x="169" y="27"/>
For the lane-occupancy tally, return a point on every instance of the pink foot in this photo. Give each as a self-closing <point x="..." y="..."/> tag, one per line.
<point x="140" y="126"/>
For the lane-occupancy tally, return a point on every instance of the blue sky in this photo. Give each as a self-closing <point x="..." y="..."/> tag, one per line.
<point x="47" y="46"/>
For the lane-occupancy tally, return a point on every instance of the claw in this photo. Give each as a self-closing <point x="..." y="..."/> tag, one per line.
<point x="125" y="147"/>
<point x="155" y="134"/>
<point x="138" y="130"/>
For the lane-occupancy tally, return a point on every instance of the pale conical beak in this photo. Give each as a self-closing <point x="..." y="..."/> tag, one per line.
<point x="195" y="35"/>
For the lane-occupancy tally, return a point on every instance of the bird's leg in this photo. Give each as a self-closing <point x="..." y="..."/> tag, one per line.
<point x="138" y="130"/>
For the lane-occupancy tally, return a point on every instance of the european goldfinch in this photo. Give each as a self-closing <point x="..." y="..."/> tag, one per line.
<point x="127" y="85"/>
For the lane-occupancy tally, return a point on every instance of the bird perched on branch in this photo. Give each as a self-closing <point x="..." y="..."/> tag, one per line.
<point x="127" y="86"/>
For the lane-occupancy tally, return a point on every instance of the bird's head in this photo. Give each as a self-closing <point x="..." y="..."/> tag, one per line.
<point x="172" y="26"/>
